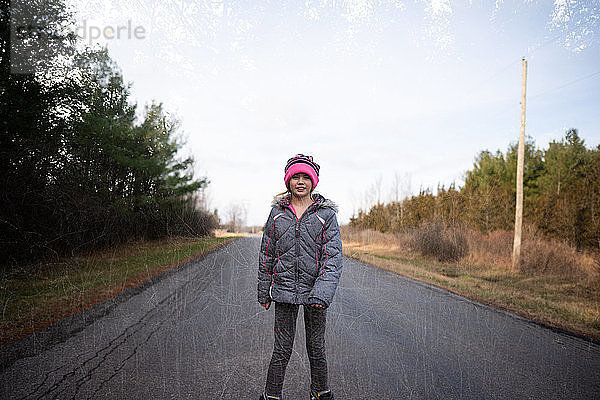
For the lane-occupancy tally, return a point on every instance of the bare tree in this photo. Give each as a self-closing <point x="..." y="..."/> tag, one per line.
<point x="377" y="189"/>
<point x="236" y="217"/>
<point x="203" y="199"/>
<point x="372" y="196"/>
<point x="401" y="189"/>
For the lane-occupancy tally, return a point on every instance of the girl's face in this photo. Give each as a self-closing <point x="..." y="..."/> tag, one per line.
<point x="300" y="185"/>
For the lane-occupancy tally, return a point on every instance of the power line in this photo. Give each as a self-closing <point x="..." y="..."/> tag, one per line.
<point x="546" y="43"/>
<point x="518" y="60"/>
<point x="574" y="81"/>
<point x="500" y="71"/>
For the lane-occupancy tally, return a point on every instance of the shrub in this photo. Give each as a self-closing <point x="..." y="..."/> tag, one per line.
<point x="492" y="248"/>
<point x="440" y="241"/>
<point x="540" y="255"/>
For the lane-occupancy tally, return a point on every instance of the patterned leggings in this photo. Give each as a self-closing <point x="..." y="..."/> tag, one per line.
<point x="285" y="329"/>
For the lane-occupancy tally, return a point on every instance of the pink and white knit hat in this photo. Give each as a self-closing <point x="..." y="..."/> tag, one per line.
<point x="302" y="163"/>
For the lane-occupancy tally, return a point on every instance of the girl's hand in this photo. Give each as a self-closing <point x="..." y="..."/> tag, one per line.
<point x="266" y="305"/>
<point x="315" y="305"/>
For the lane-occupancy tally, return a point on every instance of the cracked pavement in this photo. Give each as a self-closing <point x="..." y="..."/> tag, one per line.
<point x="198" y="332"/>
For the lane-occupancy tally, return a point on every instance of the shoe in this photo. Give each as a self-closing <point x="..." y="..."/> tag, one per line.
<point x="324" y="395"/>
<point x="264" y="396"/>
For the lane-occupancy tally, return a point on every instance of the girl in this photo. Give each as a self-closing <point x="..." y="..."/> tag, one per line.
<point x="300" y="263"/>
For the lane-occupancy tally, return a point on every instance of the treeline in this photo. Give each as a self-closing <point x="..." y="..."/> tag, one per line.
<point x="561" y="195"/>
<point x="78" y="170"/>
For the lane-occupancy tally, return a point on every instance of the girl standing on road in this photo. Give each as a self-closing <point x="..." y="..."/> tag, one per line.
<point x="300" y="263"/>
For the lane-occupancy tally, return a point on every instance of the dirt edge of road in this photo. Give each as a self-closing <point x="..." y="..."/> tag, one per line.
<point x="481" y="302"/>
<point x="63" y="328"/>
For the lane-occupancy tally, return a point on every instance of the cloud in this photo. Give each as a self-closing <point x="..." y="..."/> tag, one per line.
<point x="579" y="21"/>
<point x="438" y="24"/>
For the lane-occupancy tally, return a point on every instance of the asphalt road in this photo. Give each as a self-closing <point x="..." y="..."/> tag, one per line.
<point x="199" y="333"/>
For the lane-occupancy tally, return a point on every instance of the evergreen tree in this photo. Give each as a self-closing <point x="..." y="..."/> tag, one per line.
<point x="76" y="169"/>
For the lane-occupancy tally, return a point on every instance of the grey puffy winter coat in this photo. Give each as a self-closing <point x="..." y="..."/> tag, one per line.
<point x="300" y="260"/>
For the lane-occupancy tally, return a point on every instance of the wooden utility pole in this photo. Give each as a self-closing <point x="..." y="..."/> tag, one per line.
<point x="520" y="161"/>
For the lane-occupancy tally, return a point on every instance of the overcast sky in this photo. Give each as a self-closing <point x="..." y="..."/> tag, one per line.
<point x="371" y="89"/>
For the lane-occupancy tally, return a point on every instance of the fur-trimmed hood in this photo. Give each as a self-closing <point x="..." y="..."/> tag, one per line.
<point x="320" y="200"/>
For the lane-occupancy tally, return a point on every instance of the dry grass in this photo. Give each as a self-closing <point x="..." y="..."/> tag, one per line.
<point x="556" y="285"/>
<point x="225" y="233"/>
<point x="539" y="256"/>
<point x="494" y="248"/>
<point x="554" y="257"/>
<point x="35" y="296"/>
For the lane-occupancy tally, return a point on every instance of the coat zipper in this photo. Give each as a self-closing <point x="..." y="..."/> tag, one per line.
<point x="298" y="220"/>
<point x="296" y="258"/>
